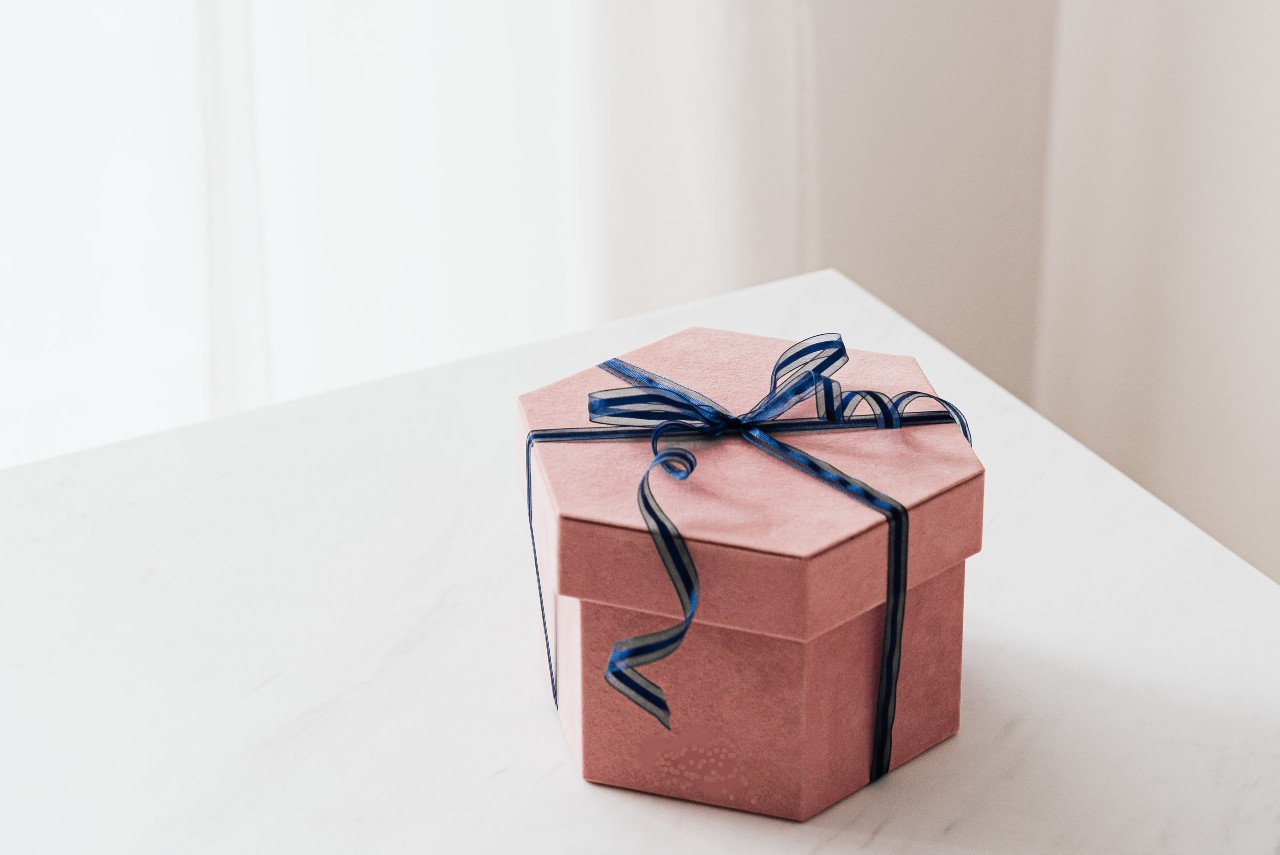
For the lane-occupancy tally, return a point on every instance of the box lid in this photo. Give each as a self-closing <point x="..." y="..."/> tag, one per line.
<point x="777" y="551"/>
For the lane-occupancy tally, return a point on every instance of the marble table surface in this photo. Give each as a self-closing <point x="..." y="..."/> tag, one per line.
<point x="313" y="628"/>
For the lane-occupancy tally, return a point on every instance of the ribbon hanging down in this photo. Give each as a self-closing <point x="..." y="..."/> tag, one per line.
<point x="654" y="407"/>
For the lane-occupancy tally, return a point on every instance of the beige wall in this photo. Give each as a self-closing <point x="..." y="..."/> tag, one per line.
<point x="1158" y="341"/>
<point x="735" y="142"/>
<point x="928" y="125"/>
<point x="1084" y="201"/>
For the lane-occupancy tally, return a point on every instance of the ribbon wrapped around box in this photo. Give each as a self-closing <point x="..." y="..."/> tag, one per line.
<point x="781" y="628"/>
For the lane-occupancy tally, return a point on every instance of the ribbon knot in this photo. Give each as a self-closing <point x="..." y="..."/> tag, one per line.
<point x="653" y="406"/>
<point x="732" y="424"/>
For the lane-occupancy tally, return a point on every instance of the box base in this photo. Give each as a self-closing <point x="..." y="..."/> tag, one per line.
<point x="765" y="724"/>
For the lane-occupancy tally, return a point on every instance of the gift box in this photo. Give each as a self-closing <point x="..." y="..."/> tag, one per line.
<point x="777" y="687"/>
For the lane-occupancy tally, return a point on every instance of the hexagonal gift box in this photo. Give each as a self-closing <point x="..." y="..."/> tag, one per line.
<point x="772" y="693"/>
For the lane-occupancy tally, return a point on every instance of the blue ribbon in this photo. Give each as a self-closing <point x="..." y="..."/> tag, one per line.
<point x="655" y="407"/>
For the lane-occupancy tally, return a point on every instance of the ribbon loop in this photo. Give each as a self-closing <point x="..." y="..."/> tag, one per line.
<point x="643" y="406"/>
<point x="906" y="399"/>
<point x="828" y="399"/>
<point x="639" y="377"/>
<point x="796" y="375"/>
<point x="881" y="406"/>
<point x="820" y="354"/>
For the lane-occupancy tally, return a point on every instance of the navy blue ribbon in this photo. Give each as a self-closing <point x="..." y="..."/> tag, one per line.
<point x="655" y="407"/>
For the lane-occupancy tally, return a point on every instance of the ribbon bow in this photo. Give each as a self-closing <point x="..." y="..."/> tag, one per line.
<point x="656" y="407"/>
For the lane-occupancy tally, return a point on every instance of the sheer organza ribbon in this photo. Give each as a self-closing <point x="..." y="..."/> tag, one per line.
<point x="654" y="407"/>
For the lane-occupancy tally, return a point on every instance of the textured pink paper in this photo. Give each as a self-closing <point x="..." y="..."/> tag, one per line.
<point x="773" y="689"/>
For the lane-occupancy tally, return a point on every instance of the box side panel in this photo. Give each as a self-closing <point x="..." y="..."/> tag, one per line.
<point x="736" y="722"/>
<point x="764" y="592"/>
<point x="759" y="591"/>
<point x="929" y="681"/>
<point x="842" y="671"/>
<point x="849" y="579"/>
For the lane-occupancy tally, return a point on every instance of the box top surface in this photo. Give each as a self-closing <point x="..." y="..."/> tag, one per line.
<point x="738" y="495"/>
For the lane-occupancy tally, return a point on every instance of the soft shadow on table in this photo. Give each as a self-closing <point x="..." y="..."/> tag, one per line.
<point x="1051" y="758"/>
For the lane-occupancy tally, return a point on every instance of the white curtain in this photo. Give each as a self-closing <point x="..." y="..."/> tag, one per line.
<point x="215" y="204"/>
<point x="103" y="250"/>
<point x="438" y="176"/>
<point x="207" y="205"/>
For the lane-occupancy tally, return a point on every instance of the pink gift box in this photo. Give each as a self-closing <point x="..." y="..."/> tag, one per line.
<point x="772" y="693"/>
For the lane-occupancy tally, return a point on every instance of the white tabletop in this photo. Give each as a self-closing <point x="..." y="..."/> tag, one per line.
<point x="313" y="628"/>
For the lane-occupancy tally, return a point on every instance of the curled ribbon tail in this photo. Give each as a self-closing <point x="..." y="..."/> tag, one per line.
<point x="630" y="653"/>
